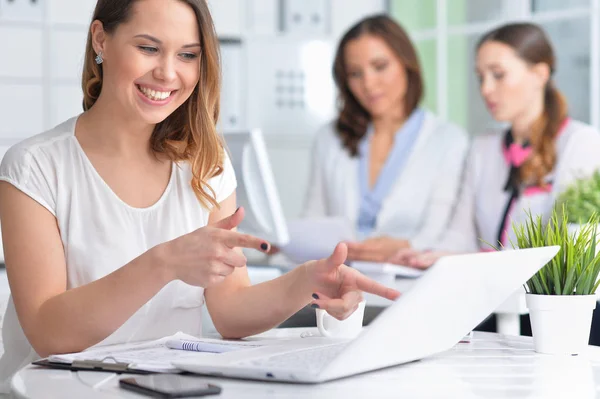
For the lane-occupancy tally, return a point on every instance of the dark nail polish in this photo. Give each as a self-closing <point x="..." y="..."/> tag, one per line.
<point x="264" y="246"/>
<point x="315" y="296"/>
<point x="314" y="306"/>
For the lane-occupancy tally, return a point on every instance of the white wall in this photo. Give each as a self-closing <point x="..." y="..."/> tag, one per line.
<point x="42" y="50"/>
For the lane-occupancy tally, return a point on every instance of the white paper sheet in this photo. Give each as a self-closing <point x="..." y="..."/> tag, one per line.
<point x="210" y="345"/>
<point x="386" y="268"/>
<point x="314" y="238"/>
<point x="152" y="355"/>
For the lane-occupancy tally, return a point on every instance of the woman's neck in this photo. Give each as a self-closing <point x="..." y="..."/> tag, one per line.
<point x="107" y="129"/>
<point x="388" y="124"/>
<point x="521" y="125"/>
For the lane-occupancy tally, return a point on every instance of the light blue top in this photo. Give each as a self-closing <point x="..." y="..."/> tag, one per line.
<point x="370" y="200"/>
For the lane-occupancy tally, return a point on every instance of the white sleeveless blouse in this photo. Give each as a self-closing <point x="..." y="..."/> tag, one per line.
<point x="101" y="233"/>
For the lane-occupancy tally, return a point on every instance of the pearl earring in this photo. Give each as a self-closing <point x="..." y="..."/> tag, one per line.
<point x="99" y="59"/>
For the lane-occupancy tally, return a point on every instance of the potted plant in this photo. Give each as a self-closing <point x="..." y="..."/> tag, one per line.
<point x="581" y="199"/>
<point x="561" y="295"/>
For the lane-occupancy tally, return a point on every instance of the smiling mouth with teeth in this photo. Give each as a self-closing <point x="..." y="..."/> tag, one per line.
<point x="153" y="94"/>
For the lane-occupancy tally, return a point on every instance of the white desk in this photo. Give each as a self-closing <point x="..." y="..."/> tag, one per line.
<point x="491" y="366"/>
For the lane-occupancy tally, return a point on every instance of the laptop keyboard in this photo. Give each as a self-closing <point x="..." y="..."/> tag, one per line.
<point x="313" y="358"/>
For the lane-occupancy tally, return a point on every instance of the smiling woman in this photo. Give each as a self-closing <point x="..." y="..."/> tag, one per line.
<point x="159" y="60"/>
<point x="119" y="223"/>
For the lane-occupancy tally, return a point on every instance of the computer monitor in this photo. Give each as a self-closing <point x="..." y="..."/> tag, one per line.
<point x="256" y="190"/>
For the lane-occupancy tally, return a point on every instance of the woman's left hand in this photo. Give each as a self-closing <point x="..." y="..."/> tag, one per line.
<point x="377" y="249"/>
<point x="338" y="288"/>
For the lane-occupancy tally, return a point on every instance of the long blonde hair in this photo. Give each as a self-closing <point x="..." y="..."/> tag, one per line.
<point x="188" y="134"/>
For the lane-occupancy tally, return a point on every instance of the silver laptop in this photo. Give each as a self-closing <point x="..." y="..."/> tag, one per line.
<point x="446" y="303"/>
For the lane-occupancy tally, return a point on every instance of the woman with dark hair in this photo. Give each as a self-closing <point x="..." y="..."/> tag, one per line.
<point x="524" y="168"/>
<point x="119" y="224"/>
<point x="386" y="165"/>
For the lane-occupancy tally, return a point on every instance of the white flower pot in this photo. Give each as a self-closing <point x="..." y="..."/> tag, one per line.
<point x="561" y="323"/>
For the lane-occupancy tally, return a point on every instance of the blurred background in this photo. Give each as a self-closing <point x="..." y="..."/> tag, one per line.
<point x="277" y="58"/>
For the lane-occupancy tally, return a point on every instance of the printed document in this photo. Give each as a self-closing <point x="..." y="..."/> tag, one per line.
<point x="155" y="356"/>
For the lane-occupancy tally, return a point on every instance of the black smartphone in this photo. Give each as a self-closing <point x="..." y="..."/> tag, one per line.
<point x="169" y="385"/>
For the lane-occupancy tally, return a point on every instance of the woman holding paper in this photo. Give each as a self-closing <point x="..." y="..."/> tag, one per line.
<point x="119" y="223"/>
<point x="521" y="169"/>
<point x="389" y="167"/>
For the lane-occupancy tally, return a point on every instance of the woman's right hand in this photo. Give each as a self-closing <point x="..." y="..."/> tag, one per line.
<point x="205" y="257"/>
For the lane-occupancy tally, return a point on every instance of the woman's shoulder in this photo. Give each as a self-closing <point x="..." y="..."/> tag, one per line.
<point x="440" y="133"/>
<point x="444" y="127"/>
<point x="578" y="139"/>
<point x="327" y="138"/>
<point x="580" y="132"/>
<point x="328" y="132"/>
<point x="35" y="165"/>
<point x="223" y="184"/>
<point x="577" y="152"/>
<point x="574" y="124"/>
<point x="47" y="145"/>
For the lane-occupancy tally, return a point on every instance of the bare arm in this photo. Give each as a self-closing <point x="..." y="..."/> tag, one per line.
<point x="57" y="320"/>
<point x="239" y="309"/>
<point x="247" y="310"/>
<point x="54" y="319"/>
<point x="327" y="283"/>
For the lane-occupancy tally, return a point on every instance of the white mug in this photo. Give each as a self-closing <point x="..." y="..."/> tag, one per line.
<point x="329" y="326"/>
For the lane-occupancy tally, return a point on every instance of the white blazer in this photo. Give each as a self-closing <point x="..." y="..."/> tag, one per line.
<point x="483" y="200"/>
<point x="420" y="203"/>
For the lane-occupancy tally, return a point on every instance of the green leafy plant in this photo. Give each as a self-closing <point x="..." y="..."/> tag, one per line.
<point x="582" y="198"/>
<point x="574" y="270"/>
